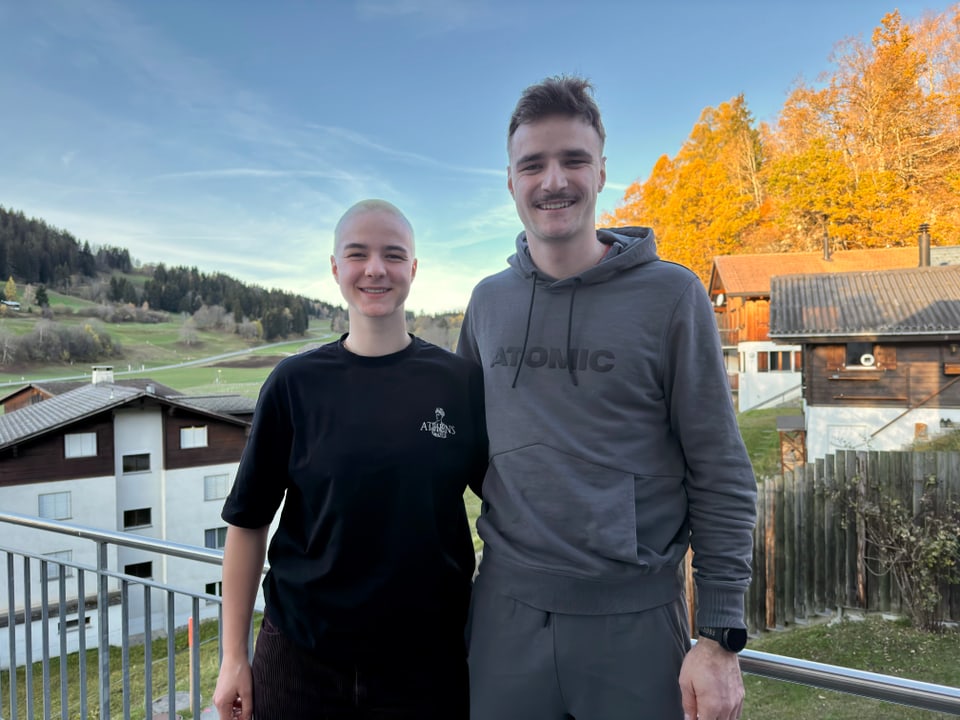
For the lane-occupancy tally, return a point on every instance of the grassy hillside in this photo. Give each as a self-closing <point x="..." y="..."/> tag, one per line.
<point x="146" y="347"/>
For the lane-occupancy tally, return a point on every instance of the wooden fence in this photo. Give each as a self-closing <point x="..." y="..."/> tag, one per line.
<point x="811" y="552"/>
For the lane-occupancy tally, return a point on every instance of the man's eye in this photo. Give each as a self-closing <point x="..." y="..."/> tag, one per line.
<point x="529" y="168"/>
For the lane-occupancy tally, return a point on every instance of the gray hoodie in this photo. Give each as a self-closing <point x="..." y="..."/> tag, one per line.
<point x="605" y="468"/>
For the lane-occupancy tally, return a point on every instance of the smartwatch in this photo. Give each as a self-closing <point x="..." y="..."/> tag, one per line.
<point x="730" y="639"/>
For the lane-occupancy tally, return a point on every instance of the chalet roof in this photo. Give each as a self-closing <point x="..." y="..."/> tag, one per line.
<point x="79" y="403"/>
<point x="738" y="275"/>
<point x="226" y="404"/>
<point x="62" y="410"/>
<point x="922" y="301"/>
<point x="58" y="387"/>
<point x="945" y="255"/>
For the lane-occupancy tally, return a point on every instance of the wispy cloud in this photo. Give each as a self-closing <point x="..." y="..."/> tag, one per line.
<point x="257" y="173"/>
<point x="410" y="157"/>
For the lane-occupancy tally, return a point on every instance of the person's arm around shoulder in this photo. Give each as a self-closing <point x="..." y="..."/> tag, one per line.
<point x="243" y="557"/>
<point x="711" y="683"/>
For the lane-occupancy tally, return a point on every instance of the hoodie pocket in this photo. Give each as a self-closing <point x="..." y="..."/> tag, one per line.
<point x="561" y="507"/>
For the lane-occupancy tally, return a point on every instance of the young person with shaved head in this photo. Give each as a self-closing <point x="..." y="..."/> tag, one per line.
<point x="369" y="443"/>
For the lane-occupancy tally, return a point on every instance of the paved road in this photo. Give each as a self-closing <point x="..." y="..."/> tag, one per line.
<point x="172" y="366"/>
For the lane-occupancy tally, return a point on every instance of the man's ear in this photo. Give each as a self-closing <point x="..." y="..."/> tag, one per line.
<point x="603" y="173"/>
<point x="510" y="181"/>
<point x="413" y="270"/>
<point x="333" y="268"/>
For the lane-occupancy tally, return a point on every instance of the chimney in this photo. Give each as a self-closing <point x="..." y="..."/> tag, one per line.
<point x="826" y="246"/>
<point x="102" y="374"/>
<point x="924" y="242"/>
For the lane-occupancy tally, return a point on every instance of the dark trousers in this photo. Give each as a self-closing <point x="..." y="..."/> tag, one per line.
<point x="291" y="684"/>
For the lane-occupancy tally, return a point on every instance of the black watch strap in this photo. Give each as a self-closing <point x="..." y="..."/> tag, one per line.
<point x="730" y="639"/>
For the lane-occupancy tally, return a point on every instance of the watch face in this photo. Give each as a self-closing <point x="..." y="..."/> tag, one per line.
<point x="736" y="639"/>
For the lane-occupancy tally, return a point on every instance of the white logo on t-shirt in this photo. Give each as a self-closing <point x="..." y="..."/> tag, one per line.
<point x="438" y="428"/>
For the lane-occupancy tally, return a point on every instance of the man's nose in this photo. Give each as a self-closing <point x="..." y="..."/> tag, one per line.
<point x="554" y="178"/>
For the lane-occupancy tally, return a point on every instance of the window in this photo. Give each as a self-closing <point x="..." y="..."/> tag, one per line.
<point x="73" y="624"/>
<point x="140" y="570"/>
<point x="136" y="463"/>
<point x="55" y="506"/>
<point x="215" y="486"/>
<point x="78" y="445"/>
<point x="54" y="568"/>
<point x="763" y="362"/>
<point x="774" y="361"/>
<point x="860" y="354"/>
<point x="214" y="588"/>
<point x="136" y="518"/>
<point x="193" y="437"/>
<point x="215" y="538"/>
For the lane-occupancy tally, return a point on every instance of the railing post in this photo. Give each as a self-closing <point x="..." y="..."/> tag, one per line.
<point x="12" y="623"/>
<point x="195" y="659"/>
<point x="82" y="639"/>
<point x="27" y="638"/>
<point x="103" y="620"/>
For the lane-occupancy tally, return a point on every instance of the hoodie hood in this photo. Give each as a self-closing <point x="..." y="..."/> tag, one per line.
<point x="629" y="247"/>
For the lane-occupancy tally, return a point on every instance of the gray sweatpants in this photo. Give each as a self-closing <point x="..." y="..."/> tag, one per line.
<point x="527" y="664"/>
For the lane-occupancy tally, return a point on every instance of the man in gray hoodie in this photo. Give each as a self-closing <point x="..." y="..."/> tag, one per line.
<point x="613" y="447"/>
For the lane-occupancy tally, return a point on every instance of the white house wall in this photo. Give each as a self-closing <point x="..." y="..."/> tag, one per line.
<point x="188" y="515"/>
<point x="93" y="504"/>
<point x="845" y="428"/>
<point x="771" y="387"/>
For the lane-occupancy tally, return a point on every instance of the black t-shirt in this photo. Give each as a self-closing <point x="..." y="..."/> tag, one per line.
<point x="373" y="557"/>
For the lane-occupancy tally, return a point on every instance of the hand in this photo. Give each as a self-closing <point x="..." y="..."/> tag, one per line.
<point x="233" y="697"/>
<point x="710" y="683"/>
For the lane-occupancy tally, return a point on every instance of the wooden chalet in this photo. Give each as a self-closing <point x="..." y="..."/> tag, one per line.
<point x="881" y="354"/>
<point x="761" y="372"/>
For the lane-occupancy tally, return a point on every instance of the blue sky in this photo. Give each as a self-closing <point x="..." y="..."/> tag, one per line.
<point x="232" y="135"/>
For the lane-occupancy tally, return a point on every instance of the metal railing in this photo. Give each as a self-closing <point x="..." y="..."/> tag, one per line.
<point x="902" y="691"/>
<point x="114" y="600"/>
<point x="121" y="612"/>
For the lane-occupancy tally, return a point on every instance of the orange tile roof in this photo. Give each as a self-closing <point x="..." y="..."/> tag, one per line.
<point x="750" y="274"/>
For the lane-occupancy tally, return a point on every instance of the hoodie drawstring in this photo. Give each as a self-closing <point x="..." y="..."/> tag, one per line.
<point x="571" y="361"/>
<point x="526" y="333"/>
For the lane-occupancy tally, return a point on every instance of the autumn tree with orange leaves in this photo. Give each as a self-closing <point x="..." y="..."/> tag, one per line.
<point x="862" y="158"/>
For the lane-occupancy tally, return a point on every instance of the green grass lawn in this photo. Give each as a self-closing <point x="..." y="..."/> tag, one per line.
<point x="874" y="645"/>
<point x="759" y="430"/>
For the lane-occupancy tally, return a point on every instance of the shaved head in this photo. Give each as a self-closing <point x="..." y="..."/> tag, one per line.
<point x="372" y="205"/>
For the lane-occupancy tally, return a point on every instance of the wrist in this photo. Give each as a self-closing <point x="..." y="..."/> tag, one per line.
<point x="730" y="639"/>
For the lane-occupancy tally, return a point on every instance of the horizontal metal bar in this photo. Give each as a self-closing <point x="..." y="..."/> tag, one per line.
<point x="902" y="691"/>
<point x="190" y="552"/>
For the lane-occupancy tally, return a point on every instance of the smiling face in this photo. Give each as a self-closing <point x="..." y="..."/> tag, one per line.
<point x="556" y="171"/>
<point x="373" y="263"/>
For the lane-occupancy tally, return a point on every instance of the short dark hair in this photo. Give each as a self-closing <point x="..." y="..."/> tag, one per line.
<point x="558" y="95"/>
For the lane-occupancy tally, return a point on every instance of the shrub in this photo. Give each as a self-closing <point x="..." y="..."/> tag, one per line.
<point x="919" y="547"/>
